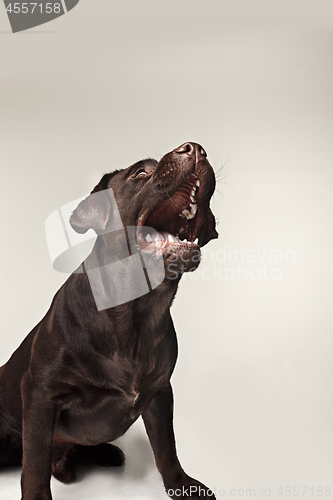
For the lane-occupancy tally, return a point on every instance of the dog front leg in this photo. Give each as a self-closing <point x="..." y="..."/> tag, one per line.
<point x="158" y="420"/>
<point x="38" y="424"/>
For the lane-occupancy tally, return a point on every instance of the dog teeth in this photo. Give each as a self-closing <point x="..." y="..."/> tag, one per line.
<point x="198" y="183"/>
<point x="149" y="238"/>
<point x="193" y="209"/>
<point x="175" y="239"/>
<point x="158" y="237"/>
<point x="192" y="199"/>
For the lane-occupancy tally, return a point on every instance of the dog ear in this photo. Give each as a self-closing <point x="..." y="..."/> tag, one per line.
<point x="210" y="232"/>
<point x="91" y="213"/>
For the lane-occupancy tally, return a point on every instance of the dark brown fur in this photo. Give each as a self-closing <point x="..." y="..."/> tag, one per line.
<point x="82" y="377"/>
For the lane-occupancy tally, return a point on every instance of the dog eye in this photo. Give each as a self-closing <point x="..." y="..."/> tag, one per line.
<point x="141" y="173"/>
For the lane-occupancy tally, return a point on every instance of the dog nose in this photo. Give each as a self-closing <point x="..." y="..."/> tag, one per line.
<point x="191" y="149"/>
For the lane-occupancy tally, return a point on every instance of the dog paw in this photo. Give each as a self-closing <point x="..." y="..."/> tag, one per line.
<point x="106" y="455"/>
<point x="187" y="487"/>
<point x="63" y="470"/>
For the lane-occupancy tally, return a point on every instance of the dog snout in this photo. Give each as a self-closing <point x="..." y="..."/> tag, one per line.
<point x="191" y="149"/>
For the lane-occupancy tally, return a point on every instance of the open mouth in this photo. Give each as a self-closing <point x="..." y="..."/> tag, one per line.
<point x="173" y="222"/>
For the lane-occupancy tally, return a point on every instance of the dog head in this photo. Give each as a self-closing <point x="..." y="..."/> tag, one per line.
<point x="168" y="202"/>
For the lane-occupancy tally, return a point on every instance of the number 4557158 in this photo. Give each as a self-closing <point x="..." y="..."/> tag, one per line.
<point x="29" y="7"/>
<point x="304" y="491"/>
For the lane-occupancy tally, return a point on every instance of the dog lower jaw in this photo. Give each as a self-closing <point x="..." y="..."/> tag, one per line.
<point x="177" y="263"/>
<point x="178" y="256"/>
<point x="152" y="241"/>
<point x="164" y="242"/>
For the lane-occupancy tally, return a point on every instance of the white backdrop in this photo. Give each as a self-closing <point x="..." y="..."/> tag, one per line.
<point x="110" y="83"/>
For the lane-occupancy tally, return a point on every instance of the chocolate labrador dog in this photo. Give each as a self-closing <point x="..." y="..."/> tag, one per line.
<point x="85" y="373"/>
